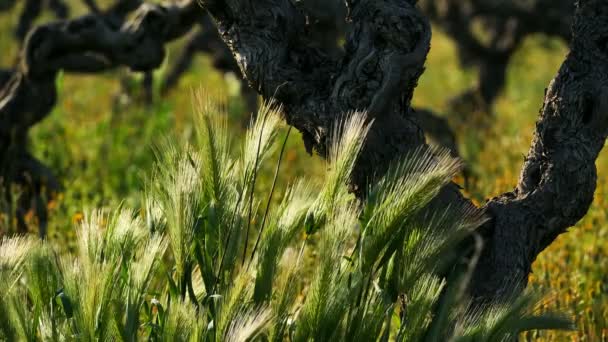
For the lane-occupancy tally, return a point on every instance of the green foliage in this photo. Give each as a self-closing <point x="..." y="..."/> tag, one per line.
<point x="98" y="143"/>
<point x="183" y="270"/>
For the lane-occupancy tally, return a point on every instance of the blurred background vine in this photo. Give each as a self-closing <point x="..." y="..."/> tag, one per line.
<point x="101" y="145"/>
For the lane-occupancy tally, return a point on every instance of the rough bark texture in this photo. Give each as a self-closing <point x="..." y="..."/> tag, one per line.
<point x="384" y="56"/>
<point x="91" y="43"/>
<point x="327" y="23"/>
<point x="87" y="44"/>
<point x="274" y="44"/>
<point x="558" y="179"/>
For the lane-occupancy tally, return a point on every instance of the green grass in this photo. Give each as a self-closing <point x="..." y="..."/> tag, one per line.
<point x="573" y="268"/>
<point x="102" y="153"/>
<point x="175" y="271"/>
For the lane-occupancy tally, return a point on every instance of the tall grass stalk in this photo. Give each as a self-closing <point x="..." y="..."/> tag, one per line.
<point x="323" y="266"/>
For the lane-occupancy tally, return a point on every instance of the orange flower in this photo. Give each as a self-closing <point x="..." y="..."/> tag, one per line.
<point x="77" y="218"/>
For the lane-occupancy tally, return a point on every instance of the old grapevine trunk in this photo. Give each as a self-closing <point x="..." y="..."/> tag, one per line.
<point x="92" y="43"/>
<point x="384" y="55"/>
<point x="558" y="178"/>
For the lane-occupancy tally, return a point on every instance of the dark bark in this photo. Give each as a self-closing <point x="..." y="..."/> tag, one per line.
<point x="33" y="9"/>
<point x="558" y="179"/>
<point x="5" y="76"/>
<point x="148" y="85"/>
<point x="91" y="43"/>
<point x="384" y="56"/>
<point x="92" y="6"/>
<point x="204" y="40"/>
<point x="88" y="44"/>
<point x="6" y="5"/>
<point x="438" y="128"/>
<point x="378" y="72"/>
<point x="506" y="25"/>
<point x="328" y="26"/>
<point x="273" y="42"/>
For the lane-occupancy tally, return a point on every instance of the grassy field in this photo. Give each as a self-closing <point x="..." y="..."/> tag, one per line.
<point x="100" y="145"/>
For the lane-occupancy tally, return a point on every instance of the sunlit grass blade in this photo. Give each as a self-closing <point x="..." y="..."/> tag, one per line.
<point x="394" y="265"/>
<point x="289" y="275"/>
<point x="505" y="321"/>
<point x="124" y="233"/>
<point x="260" y="139"/>
<point x="367" y="321"/>
<point x="183" y="323"/>
<point x="432" y="243"/>
<point x="214" y="147"/>
<point x="248" y="324"/>
<point x="91" y="288"/>
<point x="270" y="196"/>
<point x="142" y="270"/>
<point x="416" y="308"/>
<point x="258" y="143"/>
<point x="43" y="278"/>
<point x="13" y="254"/>
<point x="281" y="231"/>
<point x="179" y="193"/>
<point x="331" y="292"/>
<point x="392" y="203"/>
<point x="347" y="139"/>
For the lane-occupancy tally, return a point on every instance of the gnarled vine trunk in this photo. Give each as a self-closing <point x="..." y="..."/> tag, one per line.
<point x="91" y="43"/>
<point x="384" y="56"/>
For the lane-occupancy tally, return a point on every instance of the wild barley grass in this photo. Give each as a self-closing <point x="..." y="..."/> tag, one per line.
<point x="100" y="150"/>
<point x="186" y="270"/>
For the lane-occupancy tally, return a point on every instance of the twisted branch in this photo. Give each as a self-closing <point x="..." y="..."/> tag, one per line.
<point x="378" y="70"/>
<point x="383" y="59"/>
<point x="91" y="43"/>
